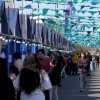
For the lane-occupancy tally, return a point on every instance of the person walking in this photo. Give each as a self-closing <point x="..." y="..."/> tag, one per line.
<point x="82" y="71"/>
<point x="74" y="63"/>
<point x="44" y="65"/>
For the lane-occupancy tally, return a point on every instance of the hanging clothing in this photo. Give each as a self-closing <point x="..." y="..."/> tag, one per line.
<point x="4" y="23"/>
<point x="2" y="55"/>
<point x="39" y="31"/>
<point x="51" y="42"/>
<point x="12" y="19"/>
<point x="33" y="22"/>
<point x="54" y="40"/>
<point x="1" y="6"/>
<point x="33" y="49"/>
<point x="18" y="47"/>
<point x="11" y="47"/>
<point x="43" y="35"/>
<point x="52" y="37"/>
<point x="49" y="36"/>
<point x="17" y="28"/>
<point x="58" y="40"/>
<point x="23" y="25"/>
<point x="29" y="28"/>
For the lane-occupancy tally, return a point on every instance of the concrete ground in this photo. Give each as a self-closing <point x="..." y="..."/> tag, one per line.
<point x="70" y="88"/>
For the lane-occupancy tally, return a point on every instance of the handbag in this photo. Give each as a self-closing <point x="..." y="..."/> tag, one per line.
<point x="45" y="81"/>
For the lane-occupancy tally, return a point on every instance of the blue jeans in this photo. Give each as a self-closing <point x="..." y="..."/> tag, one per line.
<point x="82" y="80"/>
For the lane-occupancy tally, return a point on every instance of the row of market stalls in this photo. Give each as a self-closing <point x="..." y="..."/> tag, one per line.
<point x="54" y="29"/>
<point x="77" y="20"/>
<point x="22" y="33"/>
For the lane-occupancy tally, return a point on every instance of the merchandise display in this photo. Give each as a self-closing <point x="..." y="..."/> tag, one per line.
<point x="78" y="20"/>
<point x="61" y="24"/>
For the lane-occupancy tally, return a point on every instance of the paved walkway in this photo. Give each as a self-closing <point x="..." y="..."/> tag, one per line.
<point x="70" y="88"/>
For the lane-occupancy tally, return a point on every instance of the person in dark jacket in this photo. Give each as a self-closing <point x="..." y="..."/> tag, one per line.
<point x="7" y="91"/>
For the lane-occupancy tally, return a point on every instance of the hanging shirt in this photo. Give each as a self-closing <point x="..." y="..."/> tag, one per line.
<point x="2" y="55"/>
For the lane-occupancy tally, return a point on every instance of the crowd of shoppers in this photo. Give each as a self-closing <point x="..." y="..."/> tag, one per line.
<point x="35" y="77"/>
<point x="72" y="63"/>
